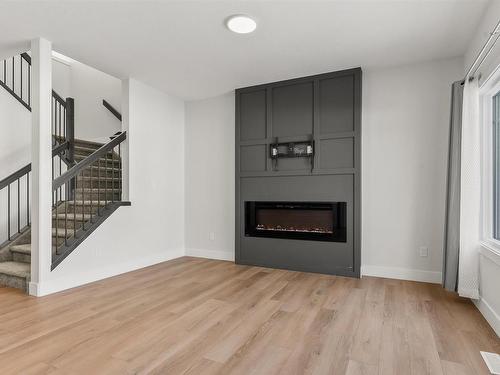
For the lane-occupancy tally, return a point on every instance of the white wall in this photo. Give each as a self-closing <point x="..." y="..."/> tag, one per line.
<point x="405" y="146"/>
<point x="210" y="177"/>
<point x="405" y="140"/>
<point x="152" y="229"/>
<point x="88" y="86"/>
<point x="15" y="130"/>
<point x="15" y="153"/>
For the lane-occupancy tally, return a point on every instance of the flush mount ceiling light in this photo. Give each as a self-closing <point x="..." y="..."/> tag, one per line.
<point x="241" y="24"/>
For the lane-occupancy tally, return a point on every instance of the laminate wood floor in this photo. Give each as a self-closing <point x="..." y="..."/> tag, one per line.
<point x="199" y="316"/>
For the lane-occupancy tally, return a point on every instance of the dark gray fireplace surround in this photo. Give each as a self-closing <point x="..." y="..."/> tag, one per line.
<point x="324" y="110"/>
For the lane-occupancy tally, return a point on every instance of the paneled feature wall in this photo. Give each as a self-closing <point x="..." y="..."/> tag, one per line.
<point x="324" y="108"/>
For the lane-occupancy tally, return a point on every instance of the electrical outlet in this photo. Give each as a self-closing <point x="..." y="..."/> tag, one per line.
<point x="211" y="236"/>
<point x="424" y="251"/>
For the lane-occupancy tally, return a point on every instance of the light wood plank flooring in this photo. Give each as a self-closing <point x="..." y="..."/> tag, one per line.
<point x="198" y="316"/>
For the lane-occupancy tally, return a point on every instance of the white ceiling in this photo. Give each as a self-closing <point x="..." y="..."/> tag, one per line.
<point x="183" y="47"/>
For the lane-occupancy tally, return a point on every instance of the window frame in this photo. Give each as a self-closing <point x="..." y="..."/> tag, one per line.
<point x="487" y="92"/>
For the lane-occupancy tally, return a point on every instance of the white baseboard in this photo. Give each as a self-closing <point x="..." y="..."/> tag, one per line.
<point x="489" y="314"/>
<point x="73" y="280"/>
<point x="211" y="254"/>
<point x="402" y="273"/>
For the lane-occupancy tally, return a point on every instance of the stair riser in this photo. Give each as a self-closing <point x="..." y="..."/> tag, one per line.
<point x="70" y="223"/>
<point x="88" y="183"/>
<point x="94" y="172"/>
<point x="95" y="196"/>
<point x="59" y="241"/>
<point x="87" y="151"/>
<point x="14" y="282"/>
<point x="81" y="209"/>
<point x="103" y="162"/>
<point x="19" y="257"/>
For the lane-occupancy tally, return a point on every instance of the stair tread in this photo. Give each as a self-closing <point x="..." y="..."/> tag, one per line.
<point x="102" y="190"/>
<point x="22" y="249"/>
<point x="105" y="168"/>
<point x="99" y="178"/>
<point x="17" y="269"/>
<point x="71" y="216"/>
<point x="87" y="203"/>
<point x="62" y="232"/>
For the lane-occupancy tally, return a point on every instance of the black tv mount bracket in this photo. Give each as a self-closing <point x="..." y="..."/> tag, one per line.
<point x="302" y="149"/>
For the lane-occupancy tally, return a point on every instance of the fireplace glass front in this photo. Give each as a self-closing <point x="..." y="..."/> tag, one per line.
<point x="317" y="221"/>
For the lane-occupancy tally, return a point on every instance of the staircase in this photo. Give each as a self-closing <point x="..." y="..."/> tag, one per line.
<point x="96" y="188"/>
<point x="87" y="183"/>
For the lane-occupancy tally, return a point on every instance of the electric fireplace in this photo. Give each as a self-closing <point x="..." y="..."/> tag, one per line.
<point x="316" y="221"/>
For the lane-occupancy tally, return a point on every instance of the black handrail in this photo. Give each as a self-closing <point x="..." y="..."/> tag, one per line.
<point x="58" y="98"/>
<point x="26" y="57"/>
<point x="14" y="176"/>
<point x="22" y="174"/>
<point x="15" y="85"/>
<point x="88" y="161"/>
<point x="112" y="109"/>
<point x="25" y="101"/>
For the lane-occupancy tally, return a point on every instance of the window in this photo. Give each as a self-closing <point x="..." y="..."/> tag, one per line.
<point x="490" y="170"/>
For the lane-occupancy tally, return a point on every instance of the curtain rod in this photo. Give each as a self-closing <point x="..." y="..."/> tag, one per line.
<point x="473" y="69"/>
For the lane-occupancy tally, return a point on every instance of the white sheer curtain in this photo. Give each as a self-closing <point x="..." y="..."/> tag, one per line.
<point x="470" y="193"/>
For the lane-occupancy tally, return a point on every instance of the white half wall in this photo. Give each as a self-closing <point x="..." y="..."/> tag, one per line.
<point x="152" y="229"/>
<point x="210" y="178"/>
<point x="405" y="141"/>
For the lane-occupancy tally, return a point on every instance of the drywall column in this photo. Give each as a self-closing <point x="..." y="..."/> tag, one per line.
<point x="125" y="145"/>
<point x="41" y="190"/>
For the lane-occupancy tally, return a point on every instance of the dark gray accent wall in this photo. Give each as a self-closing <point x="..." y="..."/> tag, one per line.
<point x="327" y="109"/>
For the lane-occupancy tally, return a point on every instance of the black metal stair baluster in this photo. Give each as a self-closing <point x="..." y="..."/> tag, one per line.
<point x="98" y="188"/>
<point x="66" y="222"/>
<point x="60" y="122"/>
<point x="83" y="203"/>
<point x="52" y="180"/>
<point x="57" y="227"/>
<point x="74" y="209"/>
<point x="64" y="127"/>
<point x="13" y="87"/>
<point x="29" y="85"/>
<point x="91" y="196"/>
<point x="19" y="205"/>
<point x="112" y="175"/>
<point x="105" y="184"/>
<point x="119" y="171"/>
<point x="8" y="211"/>
<point x="28" y="198"/>
<point x="21" y="60"/>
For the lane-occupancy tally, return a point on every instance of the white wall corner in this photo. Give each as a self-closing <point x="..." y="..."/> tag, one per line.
<point x="211" y="254"/>
<point x="402" y="273"/>
<point x="489" y="314"/>
<point x="33" y="289"/>
<point x="41" y="153"/>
